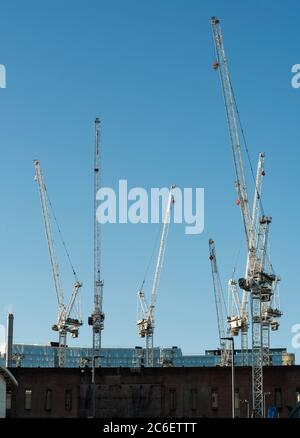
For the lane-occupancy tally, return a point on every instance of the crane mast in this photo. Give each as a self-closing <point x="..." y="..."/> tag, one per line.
<point x="260" y="284"/>
<point x="255" y="220"/>
<point x="225" y="349"/>
<point x="146" y="322"/>
<point x="65" y="324"/>
<point x="96" y="320"/>
<point x="268" y="282"/>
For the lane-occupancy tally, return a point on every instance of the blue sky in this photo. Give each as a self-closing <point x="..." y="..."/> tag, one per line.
<point x="145" y="69"/>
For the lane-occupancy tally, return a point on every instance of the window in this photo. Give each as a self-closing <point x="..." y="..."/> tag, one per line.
<point x="28" y="399"/>
<point x="278" y="398"/>
<point x="68" y="399"/>
<point x="194" y="399"/>
<point x="214" y="399"/>
<point x="48" y="400"/>
<point x="237" y="398"/>
<point x="237" y="402"/>
<point x="172" y="399"/>
<point x="8" y="400"/>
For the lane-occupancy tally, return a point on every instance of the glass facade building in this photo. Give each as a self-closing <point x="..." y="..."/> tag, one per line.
<point x="32" y="356"/>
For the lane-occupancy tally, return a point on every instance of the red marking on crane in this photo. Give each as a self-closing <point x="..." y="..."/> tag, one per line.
<point x="211" y="257"/>
<point x="263" y="173"/>
<point x="238" y="202"/>
<point x="215" y="65"/>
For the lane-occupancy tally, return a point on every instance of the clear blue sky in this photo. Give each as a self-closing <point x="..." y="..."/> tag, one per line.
<point x="143" y="67"/>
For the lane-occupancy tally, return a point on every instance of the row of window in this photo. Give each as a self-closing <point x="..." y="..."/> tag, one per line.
<point x="48" y="400"/>
<point x="215" y="398"/>
<point x="172" y="399"/>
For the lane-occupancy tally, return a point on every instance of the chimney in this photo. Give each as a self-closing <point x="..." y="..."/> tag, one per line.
<point x="9" y="340"/>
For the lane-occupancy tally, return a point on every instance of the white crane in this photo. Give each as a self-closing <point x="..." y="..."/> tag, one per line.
<point x="146" y="321"/>
<point x="96" y="320"/>
<point x="65" y="323"/>
<point x="238" y="319"/>
<point x="224" y="347"/>
<point x="221" y="64"/>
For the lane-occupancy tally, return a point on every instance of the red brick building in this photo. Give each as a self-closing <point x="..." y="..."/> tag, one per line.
<point x="146" y="392"/>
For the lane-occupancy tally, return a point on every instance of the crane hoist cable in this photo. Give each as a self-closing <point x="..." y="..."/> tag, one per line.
<point x="268" y="257"/>
<point x="246" y="146"/>
<point x="250" y="164"/>
<point x="150" y="259"/>
<point x="224" y="301"/>
<point x="237" y="256"/>
<point x="216" y="66"/>
<point x="61" y="236"/>
<point x="150" y="262"/>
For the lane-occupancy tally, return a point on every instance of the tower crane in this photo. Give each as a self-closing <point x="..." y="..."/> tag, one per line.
<point x="146" y="321"/>
<point x="224" y="347"/>
<point x="270" y="312"/>
<point x="254" y="280"/>
<point x="96" y="320"/>
<point x="65" y="323"/>
<point x="239" y="321"/>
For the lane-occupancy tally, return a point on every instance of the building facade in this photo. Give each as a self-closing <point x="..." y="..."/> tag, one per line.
<point x="147" y="392"/>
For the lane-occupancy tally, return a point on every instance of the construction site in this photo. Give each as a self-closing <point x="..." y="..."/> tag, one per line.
<point x="244" y="375"/>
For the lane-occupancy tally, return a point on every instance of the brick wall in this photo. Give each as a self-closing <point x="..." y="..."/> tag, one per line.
<point x="157" y="392"/>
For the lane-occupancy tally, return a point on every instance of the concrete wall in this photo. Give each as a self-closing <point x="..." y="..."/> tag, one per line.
<point x="2" y="397"/>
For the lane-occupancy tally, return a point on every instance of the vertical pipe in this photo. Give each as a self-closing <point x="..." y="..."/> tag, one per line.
<point x="232" y="379"/>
